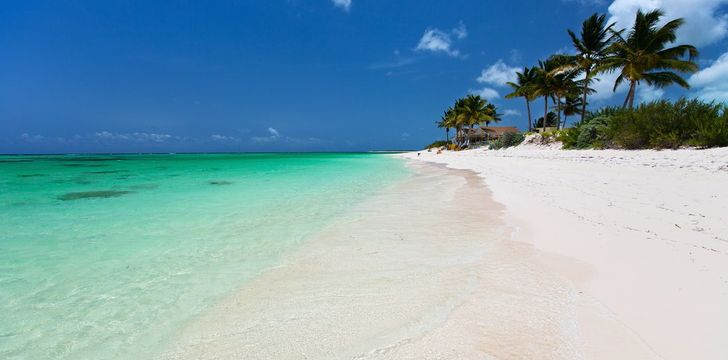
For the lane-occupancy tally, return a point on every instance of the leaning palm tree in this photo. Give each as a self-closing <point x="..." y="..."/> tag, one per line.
<point x="592" y="48"/>
<point x="524" y="87"/>
<point x="644" y="56"/>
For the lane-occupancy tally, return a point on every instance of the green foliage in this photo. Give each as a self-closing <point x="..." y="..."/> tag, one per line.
<point x="507" y="140"/>
<point x="512" y="139"/>
<point x="550" y="120"/>
<point x="657" y="125"/>
<point x="495" y="144"/>
<point x="437" y="144"/>
<point x="569" y="137"/>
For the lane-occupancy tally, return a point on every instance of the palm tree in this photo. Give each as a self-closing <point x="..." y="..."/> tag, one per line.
<point x="524" y="87"/>
<point x="573" y="106"/>
<point x="562" y="81"/>
<point x="474" y="110"/>
<point x="550" y="120"/>
<point x="447" y="121"/>
<point x="553" y="80"/>
<point x="592" y="48"/>
<point x="542" y="87"/>
<point x="644" y="55"/>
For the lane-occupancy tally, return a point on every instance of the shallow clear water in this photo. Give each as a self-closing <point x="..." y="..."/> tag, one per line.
<point x="107" y="256"/>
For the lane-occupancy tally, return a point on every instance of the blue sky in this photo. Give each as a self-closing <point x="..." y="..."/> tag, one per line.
<point x="289" y="75"/>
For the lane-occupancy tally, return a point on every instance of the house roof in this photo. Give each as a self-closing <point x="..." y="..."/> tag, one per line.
<point x="500" y="130"/>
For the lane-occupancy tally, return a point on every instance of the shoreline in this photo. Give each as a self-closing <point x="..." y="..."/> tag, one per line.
<point x="424" y="269"/>
<point x="648" y="228"/>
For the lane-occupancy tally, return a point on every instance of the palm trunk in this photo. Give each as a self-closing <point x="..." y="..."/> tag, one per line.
<point x="528" y="107"/>
<point x="447" y="134"/>
<point x="629" y="101"/>
<point x="583" y="96"/>
<point x="545" y="113"/>
<point x="632" y="87"/>
<point x="558" y="113"/>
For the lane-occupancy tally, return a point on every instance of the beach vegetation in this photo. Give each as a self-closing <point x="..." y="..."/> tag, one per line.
<point x="592" y="45"/>
<point x="507" y="140"/>
<point x="438" y="144"/>
<point x="644" y="55"/>
<point x="659" y="124"/>
<point x="524" y="87"/>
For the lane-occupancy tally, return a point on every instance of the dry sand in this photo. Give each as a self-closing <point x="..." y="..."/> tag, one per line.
<point x="428" y="269"/>
<point x="642" y="233"/>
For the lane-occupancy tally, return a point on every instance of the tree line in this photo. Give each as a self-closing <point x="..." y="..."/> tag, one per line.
<point x="466" y="113"/>
<point x="641" y="54"/>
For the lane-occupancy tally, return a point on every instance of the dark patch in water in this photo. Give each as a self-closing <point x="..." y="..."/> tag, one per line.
<point x="145" y="186"/>
<point x="221" y="182"/>
<point x="106" y="172"/>
<point x="89" y="158"/>
<point x="31" y="175"/>
<point x="105" y="194"/>
<point x="83" y="165"/>
<point x="15" y="161"/>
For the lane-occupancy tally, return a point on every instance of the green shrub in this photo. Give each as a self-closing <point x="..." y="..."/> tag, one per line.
<point x="512" y="139"/>
<point x="666" y="125"/>
<point x="507" y="140"/>
<point x="437" y="144"/>
<point x="568" y="137"/>
<point x="495" y="144"/>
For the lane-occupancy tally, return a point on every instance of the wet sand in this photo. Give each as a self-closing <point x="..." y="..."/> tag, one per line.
<point x="426" y="269"/>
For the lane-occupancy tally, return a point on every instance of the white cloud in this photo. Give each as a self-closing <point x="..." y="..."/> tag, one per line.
<point x="604" y="84"/>
<point x="516" y="56"/>
<point x="461" y="32"/>
<point x="498" y="74"/>
<point x="486" y="93"/>
<point x="274" y="135"/>
<point x="649" y="93"/>
<point x="712" y="82"/>
<point x="222" y="138"/>
<point x="704" y="22"/>
<point x="511" y="112"/>
<point x="32" y="138"/>
<point x="436" y="40"/>
<point x="135" y="137"/>
<point x="343" y="4"/>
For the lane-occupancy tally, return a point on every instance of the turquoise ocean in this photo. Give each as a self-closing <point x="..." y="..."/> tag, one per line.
<point x="109" y="256"/>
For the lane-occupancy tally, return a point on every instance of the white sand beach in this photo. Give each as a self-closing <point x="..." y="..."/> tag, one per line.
<point x="644" y="234"/>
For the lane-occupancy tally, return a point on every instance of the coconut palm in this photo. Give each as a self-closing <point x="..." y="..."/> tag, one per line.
<point x="447" y="121"/>
<point x="562" y="81"/>
<point x="524" y="87"/>
<point x="592" y="47"/>
<point x="550" y="120"/>
<point x="541" y="87"/>
<point x="553" y="80"/>
<point x="644" y="55"/>
<point x="474" y="110"/>
<point x="572" y="106"/>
